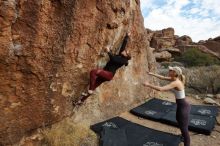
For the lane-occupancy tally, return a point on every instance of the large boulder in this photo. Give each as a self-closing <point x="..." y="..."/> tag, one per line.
<point x="47" y="51"/>
<point x="163" y="42"/>
<point x="166" y="40"/>
<point x="163" y="56"/>
<point x="183" y="41"/>
<point x="163" y="39"/>
<point x="213" y="45"/>
<point x="217" y="39"/>
<point x="168" y="32"/>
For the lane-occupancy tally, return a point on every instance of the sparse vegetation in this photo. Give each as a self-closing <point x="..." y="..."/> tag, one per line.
<point x="194" y="57"/>
<point x="200" y="80"/>
<point x="67" y="133"/>
<point x="204" y="79"/>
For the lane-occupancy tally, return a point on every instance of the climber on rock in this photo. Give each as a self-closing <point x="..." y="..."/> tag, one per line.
<point x="98" y="76"/>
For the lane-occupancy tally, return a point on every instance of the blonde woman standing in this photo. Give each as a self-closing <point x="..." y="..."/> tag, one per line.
<point x="176" y="85"/>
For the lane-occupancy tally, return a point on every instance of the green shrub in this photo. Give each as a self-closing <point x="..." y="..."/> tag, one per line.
<point x="194" y="57"/>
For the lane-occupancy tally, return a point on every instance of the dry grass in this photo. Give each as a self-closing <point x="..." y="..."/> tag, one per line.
<point x="67" y="133"/>
<point x="199" y="80"/>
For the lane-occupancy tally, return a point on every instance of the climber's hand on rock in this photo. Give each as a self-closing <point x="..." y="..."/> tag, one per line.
<point x="107" y="49"/>
<point x="129" y="34"/>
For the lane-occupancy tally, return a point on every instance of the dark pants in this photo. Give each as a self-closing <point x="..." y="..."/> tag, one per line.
<point x="182" y="117"/>
<point x="98" y="76"/>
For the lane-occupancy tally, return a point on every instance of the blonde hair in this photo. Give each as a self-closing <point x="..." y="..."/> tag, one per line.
<point x="182" y="78"/>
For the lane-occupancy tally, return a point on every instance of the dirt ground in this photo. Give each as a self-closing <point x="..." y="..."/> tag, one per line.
<point x="64" y="127"/>
<point x="196" y="139"/>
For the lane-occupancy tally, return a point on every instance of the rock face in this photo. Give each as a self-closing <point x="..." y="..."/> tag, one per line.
<point x="47" y="51"/>
<point x="125" y="90"/>
<point x="163" y="56"/>
<point x="165" y="40"/>
<point x="213" y="45"/>
<point x="183" y="41"/>
<point x="164" y="43"/>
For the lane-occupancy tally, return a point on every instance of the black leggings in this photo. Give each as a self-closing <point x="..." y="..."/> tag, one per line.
<point x="182" y="117"/>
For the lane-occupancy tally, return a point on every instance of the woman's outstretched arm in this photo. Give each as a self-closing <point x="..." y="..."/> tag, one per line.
<point x="163" y="88"/>
<point x="159" y="76"/>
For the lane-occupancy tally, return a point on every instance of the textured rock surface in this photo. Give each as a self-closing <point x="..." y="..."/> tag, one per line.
<point x="47" y="50"/>
<point x="213" y="45"/>
<point x="163" y="56"/>
<point x="183" y="41"/>
<point x="164" y="43"/>
<point x="210" y="101"/>
<point x="165" y="40"/>
<point x="126" y="89"/>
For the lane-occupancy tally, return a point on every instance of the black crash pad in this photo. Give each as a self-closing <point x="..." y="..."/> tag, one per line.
<point x="197" y="123"/>
<point x="113" y="137"/>
<point x="204" y="110"/>
<point x="154" y="109"/>
<point x="164" y="111"/>
<point x="115" y="123"/>
<point x="113" y="133"/>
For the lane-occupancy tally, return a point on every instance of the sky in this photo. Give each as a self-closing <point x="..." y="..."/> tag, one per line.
<point x="199" y="19"/>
